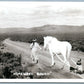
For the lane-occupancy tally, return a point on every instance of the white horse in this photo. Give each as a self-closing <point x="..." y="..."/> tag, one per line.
<point x="57" y="47"/>
<point x="34" y="48"/>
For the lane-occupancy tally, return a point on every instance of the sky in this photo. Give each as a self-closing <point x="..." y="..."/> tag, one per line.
<point x="33" y="14"/>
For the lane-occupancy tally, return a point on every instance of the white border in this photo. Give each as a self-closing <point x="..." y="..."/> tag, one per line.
<point x="40" y="80"/>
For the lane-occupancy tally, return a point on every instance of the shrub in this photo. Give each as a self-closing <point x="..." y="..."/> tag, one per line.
<point x="10" y="63"/>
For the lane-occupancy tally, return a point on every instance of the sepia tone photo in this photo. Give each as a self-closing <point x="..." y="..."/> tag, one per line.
<point x="41" y="40"/>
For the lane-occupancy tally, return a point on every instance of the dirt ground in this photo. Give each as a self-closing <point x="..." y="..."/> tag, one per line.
<point x="43" y="69"/>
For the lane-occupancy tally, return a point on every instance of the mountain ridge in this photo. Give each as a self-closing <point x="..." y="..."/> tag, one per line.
<point x="44" y="29"/>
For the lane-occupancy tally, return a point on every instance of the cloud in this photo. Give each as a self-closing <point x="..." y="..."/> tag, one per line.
<point x="29" y="14"/>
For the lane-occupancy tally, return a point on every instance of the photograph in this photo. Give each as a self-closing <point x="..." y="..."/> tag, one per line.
<point x="41" y="40"/>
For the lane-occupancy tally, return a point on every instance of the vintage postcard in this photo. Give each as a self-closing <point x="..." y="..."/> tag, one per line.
<point x="41" y="41"/>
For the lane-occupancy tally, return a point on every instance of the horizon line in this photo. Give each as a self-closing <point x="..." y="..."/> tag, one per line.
<point x="42" y="26"/>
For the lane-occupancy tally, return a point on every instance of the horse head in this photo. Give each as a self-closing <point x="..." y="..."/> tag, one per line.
<point x="47" y="41"/>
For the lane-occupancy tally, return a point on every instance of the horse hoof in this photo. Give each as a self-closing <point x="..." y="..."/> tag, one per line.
<point x="52" y="65"/>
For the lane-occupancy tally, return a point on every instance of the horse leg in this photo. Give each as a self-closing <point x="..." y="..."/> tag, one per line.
<point x="65" y="59"/>
<point x="65" y="62"/>
<point x="62" y="60"/>
<point x="53" y="63"/>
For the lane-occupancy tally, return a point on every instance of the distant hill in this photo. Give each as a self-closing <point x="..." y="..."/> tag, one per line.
<point x="44" y="29"/>
<point x="58" y="29"/>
